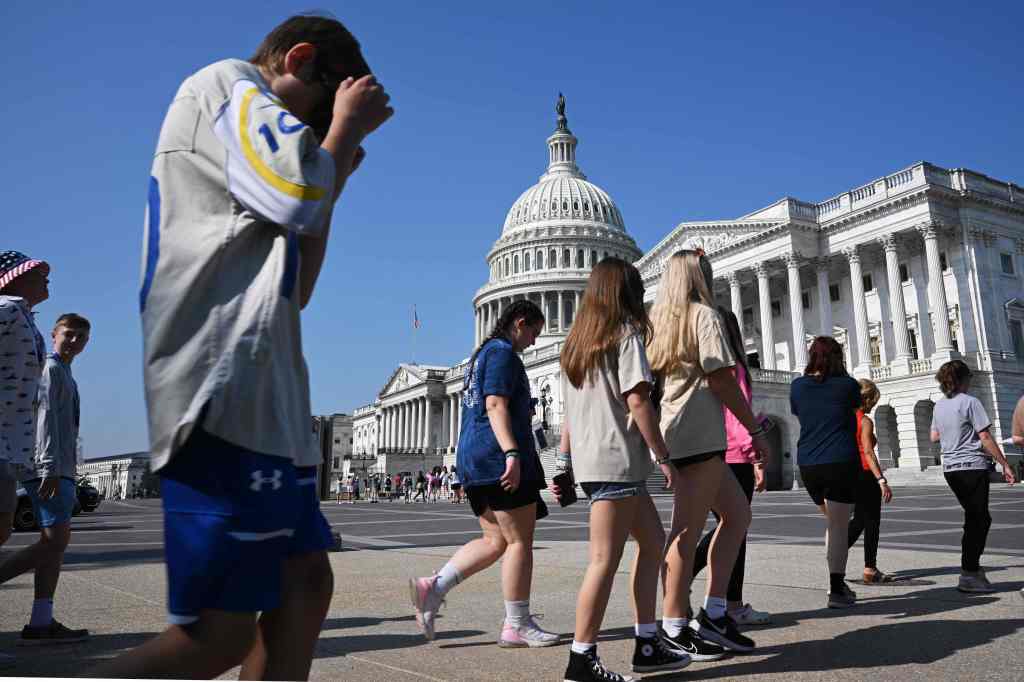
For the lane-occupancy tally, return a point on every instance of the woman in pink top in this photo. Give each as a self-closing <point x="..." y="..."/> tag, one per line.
<point x="749" y="471"/>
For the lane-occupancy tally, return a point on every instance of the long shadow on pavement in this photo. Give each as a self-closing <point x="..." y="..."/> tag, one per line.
<point x="328" y="647"/>
<point x="917" y="642"/>
<point x="70" y="660"/>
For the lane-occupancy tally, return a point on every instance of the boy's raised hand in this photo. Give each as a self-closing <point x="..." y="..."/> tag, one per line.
<point x="363" y="103"/>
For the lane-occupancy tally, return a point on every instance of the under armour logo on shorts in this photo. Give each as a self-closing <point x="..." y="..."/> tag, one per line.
<point x="258" y="479"/>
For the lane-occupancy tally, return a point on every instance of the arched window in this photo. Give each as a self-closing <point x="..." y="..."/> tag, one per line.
<point x="553" y="259"/>
<point x="565" y="205"/>
<point x="526" y="261"/>
<point x="506" y="266"/>
<point x="540" y="260"/>
<point x="515" y="264"/>
<point x="579" y="259"/>
<point x="566" y="258"/>
<point x="593" y="258"/>
<point x="576" y="206"/>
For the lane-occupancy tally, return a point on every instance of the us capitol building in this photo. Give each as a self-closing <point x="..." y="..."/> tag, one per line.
<point x="906" y="271"/>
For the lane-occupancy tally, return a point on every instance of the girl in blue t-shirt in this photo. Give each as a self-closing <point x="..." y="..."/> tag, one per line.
<point x="502" y="477"/>
<point x="825" y="400"/>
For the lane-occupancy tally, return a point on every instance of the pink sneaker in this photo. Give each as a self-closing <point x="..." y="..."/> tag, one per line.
<point x="426" y="601"/>
<point x="529" y="634"/>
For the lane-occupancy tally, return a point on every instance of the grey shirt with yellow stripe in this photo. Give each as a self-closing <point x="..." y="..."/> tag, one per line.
<point x="236" y="179"/>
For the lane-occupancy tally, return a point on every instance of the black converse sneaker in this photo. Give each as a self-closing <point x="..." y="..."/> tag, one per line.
<point x="690" y="643"/>
<point x="652" y="654"/>
<point x="588" y="668"/>
<point x="721" y="631"/>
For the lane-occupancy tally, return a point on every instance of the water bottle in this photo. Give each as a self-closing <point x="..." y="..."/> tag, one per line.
<point x="564" y="480"/>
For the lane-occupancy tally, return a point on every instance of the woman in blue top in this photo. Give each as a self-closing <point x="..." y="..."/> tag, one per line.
<point x="825" y="400"/>
<point x="502" y="477"/>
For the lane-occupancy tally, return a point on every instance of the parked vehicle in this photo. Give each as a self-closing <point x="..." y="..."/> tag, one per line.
<point x="88" y="499"/>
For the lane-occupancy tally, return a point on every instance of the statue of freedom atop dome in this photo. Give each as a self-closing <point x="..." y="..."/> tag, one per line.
<point x="563" y="123"/>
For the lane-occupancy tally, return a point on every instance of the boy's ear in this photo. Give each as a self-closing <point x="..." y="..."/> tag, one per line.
<point x="299" y="61"/>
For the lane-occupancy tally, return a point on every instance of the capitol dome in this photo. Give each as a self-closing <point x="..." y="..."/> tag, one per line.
<point x="555" y="232"/>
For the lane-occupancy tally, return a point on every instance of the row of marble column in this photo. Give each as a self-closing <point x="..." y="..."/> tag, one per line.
<point x="487" y="314"/>
<point x="407" y="426"/>
<point x="898" y="313"/>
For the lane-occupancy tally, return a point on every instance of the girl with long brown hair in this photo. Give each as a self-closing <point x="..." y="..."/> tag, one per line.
<point x="691" y="352"/>
<point x="608" y="427"/>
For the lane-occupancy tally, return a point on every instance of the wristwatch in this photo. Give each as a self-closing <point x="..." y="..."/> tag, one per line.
<point x="512" y="453"/>
<point x="881" y="479"/>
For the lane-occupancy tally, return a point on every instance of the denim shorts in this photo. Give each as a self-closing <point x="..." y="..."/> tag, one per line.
<point x="609" y="490"/>
<point x="56" y="510"/>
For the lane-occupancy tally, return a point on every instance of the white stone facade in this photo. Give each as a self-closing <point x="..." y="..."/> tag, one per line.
<point x="117" y="477"/>
<point x="946" y="240"/>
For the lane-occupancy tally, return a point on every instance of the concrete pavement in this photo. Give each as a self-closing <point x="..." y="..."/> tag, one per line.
<point x="916" y="628"/>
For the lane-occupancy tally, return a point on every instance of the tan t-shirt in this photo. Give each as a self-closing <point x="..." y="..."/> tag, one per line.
<point x="691" y="416"/>
<point x="605" y="442"/>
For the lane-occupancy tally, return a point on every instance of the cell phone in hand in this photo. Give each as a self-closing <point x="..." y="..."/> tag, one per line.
<point x="567" y="485"/>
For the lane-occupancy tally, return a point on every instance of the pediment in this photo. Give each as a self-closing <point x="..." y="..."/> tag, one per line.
<point x="711" y="237"/>
<point x="402" y="379"/>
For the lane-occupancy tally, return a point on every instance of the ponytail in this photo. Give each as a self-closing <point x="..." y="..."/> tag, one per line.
<point x="521" y="309"/>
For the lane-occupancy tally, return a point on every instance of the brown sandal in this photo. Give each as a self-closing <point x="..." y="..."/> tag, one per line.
<point x="874" y="576"/>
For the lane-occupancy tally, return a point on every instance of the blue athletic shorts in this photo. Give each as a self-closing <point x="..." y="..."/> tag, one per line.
<point x="58" y="508"/>
<point x="231" y="519"/>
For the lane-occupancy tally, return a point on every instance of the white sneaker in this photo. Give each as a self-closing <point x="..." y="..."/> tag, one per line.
<point x="748" y="615"/>
<point x="426" y="601"/>
<point x="529" y="634"/>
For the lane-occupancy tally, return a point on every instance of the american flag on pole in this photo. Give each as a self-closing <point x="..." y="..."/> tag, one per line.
<point x="415" y="318"/>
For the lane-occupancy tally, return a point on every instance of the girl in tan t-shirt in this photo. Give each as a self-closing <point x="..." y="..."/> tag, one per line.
<point x="691" y="352"/>
<point x="608" y="426"/>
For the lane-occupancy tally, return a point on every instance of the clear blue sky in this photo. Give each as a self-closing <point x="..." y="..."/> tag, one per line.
<point x="682" y="114"/>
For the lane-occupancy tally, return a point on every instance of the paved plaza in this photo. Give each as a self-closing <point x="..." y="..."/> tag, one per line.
<point x="918" y="627"/>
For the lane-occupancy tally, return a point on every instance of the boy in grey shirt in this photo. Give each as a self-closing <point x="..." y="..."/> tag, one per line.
<point x="51" y="485"/>
<point x="250" y="160"/>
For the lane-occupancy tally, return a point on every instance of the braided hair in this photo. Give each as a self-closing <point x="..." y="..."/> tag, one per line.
<point x="529" y="311"/>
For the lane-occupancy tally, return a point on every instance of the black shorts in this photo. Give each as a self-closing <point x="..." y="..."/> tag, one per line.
<point x="696" y="459"/>
<point x="836" y="481"/>
<point x="496" y="498"/>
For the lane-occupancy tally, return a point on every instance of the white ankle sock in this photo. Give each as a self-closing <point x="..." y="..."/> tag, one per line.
<point x="673" y="626"/>
<point x="516" y="612"/>
<point x="447" y="578"/>
<point x="582" y="647"/>
<point x="714" y="607"/>
<point x="42" y="613"/>
<point x="646" y="630"/>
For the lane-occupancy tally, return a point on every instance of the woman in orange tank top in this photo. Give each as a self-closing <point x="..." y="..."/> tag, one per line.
<point x="872" y="487"/>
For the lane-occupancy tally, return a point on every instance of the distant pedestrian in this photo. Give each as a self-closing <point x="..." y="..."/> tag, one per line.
<point x="52" y="484"/>
<point x="608" y="429"/>
<point x="748" y="468"/>
<point x="872" y="487"/>
<point x="825" y="400"/>
<point x="251" y="159"/>
<point x="963" y="429"/>
<point x="691" y="353"/>
<point x="421" y="487"/>
<point x="456" y="485"/>
<point x="498" y="465"/>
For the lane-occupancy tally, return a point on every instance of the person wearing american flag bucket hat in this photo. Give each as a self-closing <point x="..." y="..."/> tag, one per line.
<point x="23" y="285"/>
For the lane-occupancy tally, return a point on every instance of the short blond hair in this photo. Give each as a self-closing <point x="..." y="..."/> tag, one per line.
<point x="869" y="394"/>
